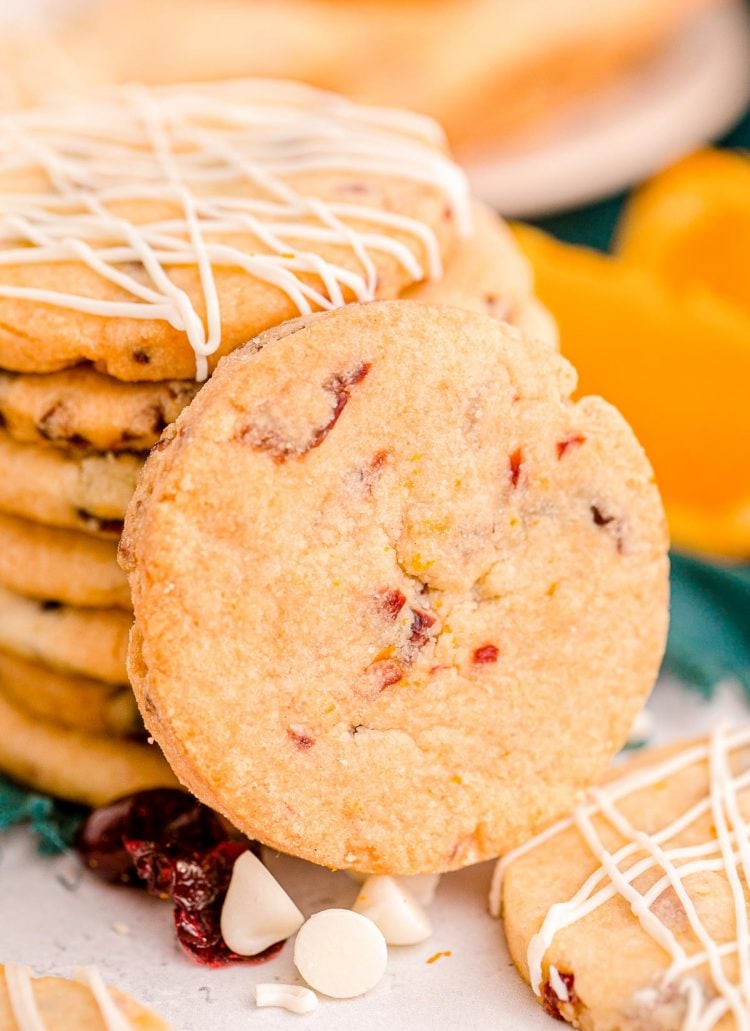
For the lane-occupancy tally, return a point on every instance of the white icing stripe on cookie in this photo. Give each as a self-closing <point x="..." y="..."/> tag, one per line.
<point x="113" y="1017"/>
<point x="727" y="853"/>
<point x="23" y="1005"/>
<point x="178" y="144"/>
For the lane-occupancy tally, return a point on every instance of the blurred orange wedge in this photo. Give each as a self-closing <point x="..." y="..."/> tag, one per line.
<point x="677" y="367"/>
<point x="690" y="227"/>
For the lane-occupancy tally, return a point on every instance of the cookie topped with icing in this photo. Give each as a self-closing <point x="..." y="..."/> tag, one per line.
<point x="57" y="1004"/>
<point x="633" y="912"/>
<point x="150" y="231"/>
<point x="397" y="597"/>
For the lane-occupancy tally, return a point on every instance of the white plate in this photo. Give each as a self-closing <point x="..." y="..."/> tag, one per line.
<point x="687" y="95"/>
<point x="54" y="917"/>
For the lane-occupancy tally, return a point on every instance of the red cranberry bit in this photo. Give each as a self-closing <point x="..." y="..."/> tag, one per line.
<point x="420" y="626"/>
<point x="515" y="461"/>
<point x="197" y="883"/>
<point x="599" y="518"/>
<point x="339" y="386"/>
<point x="551" y="1001"/>
<point x="391" y="603"/>
<point x="569" y="442"/>
<point x="301" y="739"/>
<point x="485" y="653"/>
<point x="171" y="817"/>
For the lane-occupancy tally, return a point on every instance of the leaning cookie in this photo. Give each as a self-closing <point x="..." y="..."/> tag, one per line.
<point x="632" y="914"/>
<point x="397" y="598"/>
<point x="45" y="562"/>
<point x="70" y="764"/>
<point x="87" y="642"/>
<point x="59" y="488"/>
<point x="56" y="1004"/>
<point x="67" y="700"/>
<point x="83" y="410"/>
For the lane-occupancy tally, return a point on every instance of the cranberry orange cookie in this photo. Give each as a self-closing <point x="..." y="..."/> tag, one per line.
<point x="88" y="642"/>
<point x="632" y="914"/>
<point x="397" y="598"/>
<point x="45" y="562"/>
<point x="66" y="700"/>
<point x="56" y="1004"/>
<point x="489" y="274"/>
<point x="150" y="231"/>
<point x="81" y="492"/>
<point x="83" y="410"/>
<point x="85" y="768"/>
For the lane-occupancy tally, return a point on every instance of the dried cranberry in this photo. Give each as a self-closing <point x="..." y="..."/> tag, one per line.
<point x="551" y="1001"/>
<point x="164" y="815"/>
<point x="485" y="653"/>
<point x="515" y="461"/>
<point x="197" y="883"/>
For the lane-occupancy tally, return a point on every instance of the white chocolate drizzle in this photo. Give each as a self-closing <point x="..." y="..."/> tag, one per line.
<point x="113" y="1017"/>
<point x="23" y="1007"/>
<point x="725" y="849"/>
<point x="25" y="1011"/>
<point x="223" y="158"/>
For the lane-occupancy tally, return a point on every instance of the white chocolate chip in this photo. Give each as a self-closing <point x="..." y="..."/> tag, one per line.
<point x="421" y="886"/>
<point x="292" y="997"/>
<point x="257" y="912"/>
<point x="340" y="953"/>
<point x="394" y="910"/>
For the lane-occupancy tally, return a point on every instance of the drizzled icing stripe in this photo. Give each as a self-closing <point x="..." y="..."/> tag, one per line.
<point x="25" y="1011"/>
<point x="113" y="1017"/>
<point x="202" y="150"/>
<point x="23" y="1007"/>
<point x="728" y="852"/>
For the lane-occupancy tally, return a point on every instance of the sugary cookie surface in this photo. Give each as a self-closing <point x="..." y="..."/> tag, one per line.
<point x="397" y="597"/>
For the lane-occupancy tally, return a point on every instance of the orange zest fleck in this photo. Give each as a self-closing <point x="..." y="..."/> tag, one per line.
<point x="439" y="955"/>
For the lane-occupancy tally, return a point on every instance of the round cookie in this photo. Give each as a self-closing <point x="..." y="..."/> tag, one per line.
<point x="397" y="598"/>
<point x="78" y="703"/>
<point x="57" y="488"/>
<point x="488" y="274"/>
<point x="84" y="768"/>
<point x="211" y="213"/>
<point x="629" y="914"/>
<point x="83" y="410"/>
<point x="84" y="1004"/>
<point x="50" y="564"/>
<point x="89" y="642"/>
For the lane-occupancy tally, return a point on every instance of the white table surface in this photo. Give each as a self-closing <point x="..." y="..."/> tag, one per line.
<point x="55" y="916"/>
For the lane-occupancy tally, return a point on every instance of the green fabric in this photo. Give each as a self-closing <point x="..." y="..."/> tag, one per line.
<point x="709" y="637"/>
<point x="54" y="822"/>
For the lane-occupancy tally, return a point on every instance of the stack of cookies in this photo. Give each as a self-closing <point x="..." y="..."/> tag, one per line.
<point x="144" y="234"/>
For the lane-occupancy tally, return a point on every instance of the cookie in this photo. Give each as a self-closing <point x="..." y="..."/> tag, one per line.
<point x="89" y="642"/>
<point x="56" y="1004"/>
<point x="212" y="212"/>
<point x="630" y="913"/>
<point x="397" y="598"/>
<point x="82" y="410"/>
<point x="488" y="274"/>
<point x="79" y="767"/>
<point x="60" y="565"/>
<point x="79" y="492"/>
<point x="76" y="702"/>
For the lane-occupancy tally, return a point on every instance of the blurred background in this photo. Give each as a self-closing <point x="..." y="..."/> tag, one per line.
<point x="614" y="129"/>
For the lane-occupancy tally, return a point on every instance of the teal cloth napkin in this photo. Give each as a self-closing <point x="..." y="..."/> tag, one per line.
<point x="54" y="822"/>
